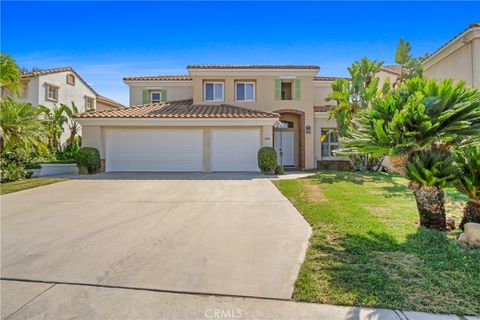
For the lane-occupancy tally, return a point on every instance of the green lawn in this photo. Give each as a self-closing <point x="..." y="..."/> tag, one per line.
<point x="367" y="250"/>
<point x="20" y="185"/>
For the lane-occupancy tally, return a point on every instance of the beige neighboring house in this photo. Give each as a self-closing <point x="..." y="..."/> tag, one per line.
<point x="458" y="59"/>
<point x="61" y="85"/>
<point x="216" y="118"/>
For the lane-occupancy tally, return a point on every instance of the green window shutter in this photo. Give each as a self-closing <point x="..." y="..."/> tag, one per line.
<point x="278" y="89"/>
<point x="297" y="90"/>
<point x="164" y="95"/>
<point x="145" y="97"/>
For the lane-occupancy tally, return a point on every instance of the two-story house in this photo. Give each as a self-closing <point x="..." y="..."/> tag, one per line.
<point x="61" y="85"/>
<point x="216" y="118"/>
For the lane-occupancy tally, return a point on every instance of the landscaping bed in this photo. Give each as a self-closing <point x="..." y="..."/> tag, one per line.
<point x="368" y="250"/>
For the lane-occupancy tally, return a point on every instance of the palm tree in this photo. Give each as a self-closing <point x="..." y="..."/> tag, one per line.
<point x="418" y="115"/>
<point x="73" y="126"/>
<point x="20" y="126"/>
<point x="53" y="119"/>
<point x="353" y="96"/>
<point x="430" y="171"/>
<point x="10" y="75"/>
<point x="468" y="183"/>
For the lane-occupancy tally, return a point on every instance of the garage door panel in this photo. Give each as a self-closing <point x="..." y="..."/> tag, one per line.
<point x="154" y="150"/>
<point x="234" y="149"/>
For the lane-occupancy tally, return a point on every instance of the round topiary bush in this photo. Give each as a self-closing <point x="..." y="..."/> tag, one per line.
<point x="88" y="158"/>
<point x="267" y="159"/>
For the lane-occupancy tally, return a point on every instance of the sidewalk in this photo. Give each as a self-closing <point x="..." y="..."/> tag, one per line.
<point x="28" y="300"/>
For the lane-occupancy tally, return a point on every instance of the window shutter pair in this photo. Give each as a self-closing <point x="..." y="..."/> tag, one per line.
<point x="146" y="96"/>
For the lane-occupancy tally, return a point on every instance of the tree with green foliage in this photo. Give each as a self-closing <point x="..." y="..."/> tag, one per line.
<point x="21" y="133"/>
<point x="54" y="120"/>
<point x="429" y="171"/>
<point x="73" y="126"/>
<point x="352" y="96"/>
<point x="468" y="182"/>
<point x="10" y="75"/>
<point x="20" y="126"/>
<point x="410" y="67"/>
<point x="419" y="114"/>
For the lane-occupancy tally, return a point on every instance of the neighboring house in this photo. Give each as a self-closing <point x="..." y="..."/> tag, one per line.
<point x="458" y="59"/>
<point x="216" y="118"/>
<point x="61" y="85"/>
<point x="389" y="71"/>
<point x="104" y="103"/>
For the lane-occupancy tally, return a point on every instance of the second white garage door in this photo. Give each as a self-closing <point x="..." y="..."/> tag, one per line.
<point x="234" y="149"/>
<point x="154" y="150"/>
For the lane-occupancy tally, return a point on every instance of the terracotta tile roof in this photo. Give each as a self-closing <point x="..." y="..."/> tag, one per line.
<point x="471" y="26"/>
<point x="252" y="66"/>
<point x="395" y="69"/>
<point x="45" y="71"/>
<point x="109" y="102"/>
<point x="184" y="77"/>
<point x="179" y="109"/>
<point x="324" y="108"/>
<point x="328" y="78"/>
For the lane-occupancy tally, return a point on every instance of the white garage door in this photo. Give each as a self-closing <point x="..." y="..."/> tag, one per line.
<point x="154" y="150"/>
<point x="234" y="149"/>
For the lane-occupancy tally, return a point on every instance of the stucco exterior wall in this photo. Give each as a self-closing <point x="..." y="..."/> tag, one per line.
<point x="457" y="65"/>
<point x="264" y="99"/>
<point x="383" y="75"/>
<point x="321" y="90"/>
<point x="176" y="90"/>
<point x="67" y="93"/>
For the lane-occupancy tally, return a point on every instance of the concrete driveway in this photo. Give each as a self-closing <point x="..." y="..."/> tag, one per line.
<point x="228" y="234"/>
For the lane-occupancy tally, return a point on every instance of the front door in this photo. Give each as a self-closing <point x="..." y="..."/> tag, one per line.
<point x="284" y="145"/>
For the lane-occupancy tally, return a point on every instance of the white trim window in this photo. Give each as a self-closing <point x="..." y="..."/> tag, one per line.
<point x="213" y="91"/>
<point x="51" y="92"/>
<point x="89" y="103"/>
<point x="329" y="138"/>
<point x="155" y="96"/>
<point x="245" y="91"/>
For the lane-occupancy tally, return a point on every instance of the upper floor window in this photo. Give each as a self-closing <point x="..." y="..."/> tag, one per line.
<point x="52" y="92"/>
<point x="155" y="96"/>
<point x="329" y="143"/>
<point x="89" y="103"/>
<point x="71" y="79"/>
<point x="245" y="91"/>
<point x="213" y="91"/>
<point x="287" y="90"/>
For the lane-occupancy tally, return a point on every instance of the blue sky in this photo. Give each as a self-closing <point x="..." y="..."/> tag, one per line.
<point x="105" y="41"/>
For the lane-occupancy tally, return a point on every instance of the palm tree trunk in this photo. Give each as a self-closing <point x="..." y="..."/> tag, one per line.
<point x="431" y="206"/>
<point x="471" y="212"/>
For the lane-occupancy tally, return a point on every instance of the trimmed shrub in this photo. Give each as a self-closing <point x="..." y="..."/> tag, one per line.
<point x="279" y="169"/>
<point x="89" y="158"/>
<point x="267" y="159"/>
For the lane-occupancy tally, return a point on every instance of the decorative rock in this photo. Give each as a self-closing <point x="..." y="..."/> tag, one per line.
<point x="450" y="223"/>
<point x="471" y="235"/>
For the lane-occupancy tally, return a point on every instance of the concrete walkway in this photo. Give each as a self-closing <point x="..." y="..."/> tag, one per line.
<point x="23" y="300"/>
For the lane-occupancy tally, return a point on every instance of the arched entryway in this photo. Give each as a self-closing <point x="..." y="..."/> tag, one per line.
<point x="289" y="138"/>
